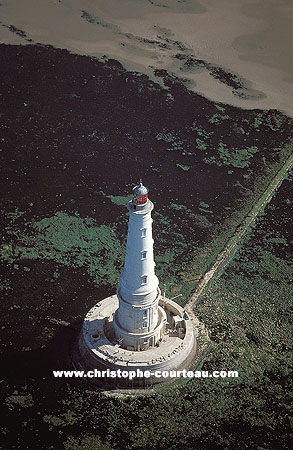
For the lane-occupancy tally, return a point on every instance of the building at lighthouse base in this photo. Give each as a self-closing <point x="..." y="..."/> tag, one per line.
<point x="143" y="338"/>
<point x="99" y="348"/>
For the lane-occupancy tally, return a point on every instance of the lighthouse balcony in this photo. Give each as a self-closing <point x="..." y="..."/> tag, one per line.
<point x="140" y="209"/>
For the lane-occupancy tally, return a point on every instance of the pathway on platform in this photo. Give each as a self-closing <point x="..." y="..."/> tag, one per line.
<point x="224" y="256"/>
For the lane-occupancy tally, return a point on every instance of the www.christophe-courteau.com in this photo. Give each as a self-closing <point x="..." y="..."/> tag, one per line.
<point x="131" y="374"/>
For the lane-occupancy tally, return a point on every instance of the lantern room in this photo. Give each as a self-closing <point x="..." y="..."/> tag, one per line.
<point x="140" y="193"/>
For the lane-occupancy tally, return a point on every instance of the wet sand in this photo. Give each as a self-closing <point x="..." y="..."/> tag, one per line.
<point x="250" y="40"/>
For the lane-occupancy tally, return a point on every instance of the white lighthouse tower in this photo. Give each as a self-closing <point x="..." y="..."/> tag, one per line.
<point x="139" y="322"/>
<point x="137" y="317"/>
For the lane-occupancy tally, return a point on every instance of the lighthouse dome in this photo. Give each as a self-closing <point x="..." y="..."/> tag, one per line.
<point x="140" y="195"/>
<point x="140" y="189"/>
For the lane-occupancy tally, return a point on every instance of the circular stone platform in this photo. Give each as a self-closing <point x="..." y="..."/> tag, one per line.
<point x="98" y="348"/>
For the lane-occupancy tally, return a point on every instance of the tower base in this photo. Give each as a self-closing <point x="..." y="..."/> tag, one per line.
<point x="99" y="351"/>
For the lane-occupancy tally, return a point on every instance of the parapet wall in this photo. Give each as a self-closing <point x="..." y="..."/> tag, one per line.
<point x="98" y="349"/>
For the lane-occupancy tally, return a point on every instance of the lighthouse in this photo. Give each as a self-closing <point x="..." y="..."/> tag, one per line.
<point x="136" y="330"/>
<point x="139" y="322"/>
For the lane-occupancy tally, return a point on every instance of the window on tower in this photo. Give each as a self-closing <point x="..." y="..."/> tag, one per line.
<point x="143" y="254"/>
<point x="143" y="232"/>
<point x="145" y="325"/>
<point x="144" y="279"/>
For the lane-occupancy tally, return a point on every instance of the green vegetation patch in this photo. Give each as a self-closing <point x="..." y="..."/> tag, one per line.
<point x="87" y="442"/>
<point x="199" y="219"/>
<point x="272" y="122"/>
<point x="119" y="200"/>
<point x="200" y="144"/>
<point x="170" y="138"/>
<point x="218" y="118"/>
<point x="17" y="400"/>
<point x="183" y="167"/>
<point x="239" y="158"/>
<point x="71" y="241"/>
<point x="204" y="207"/>
<point x="65" y="419"/>
<point x="236" y="157"/>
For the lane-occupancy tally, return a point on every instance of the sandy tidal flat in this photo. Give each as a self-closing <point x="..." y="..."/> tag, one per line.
<point x="232" y="51"/>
